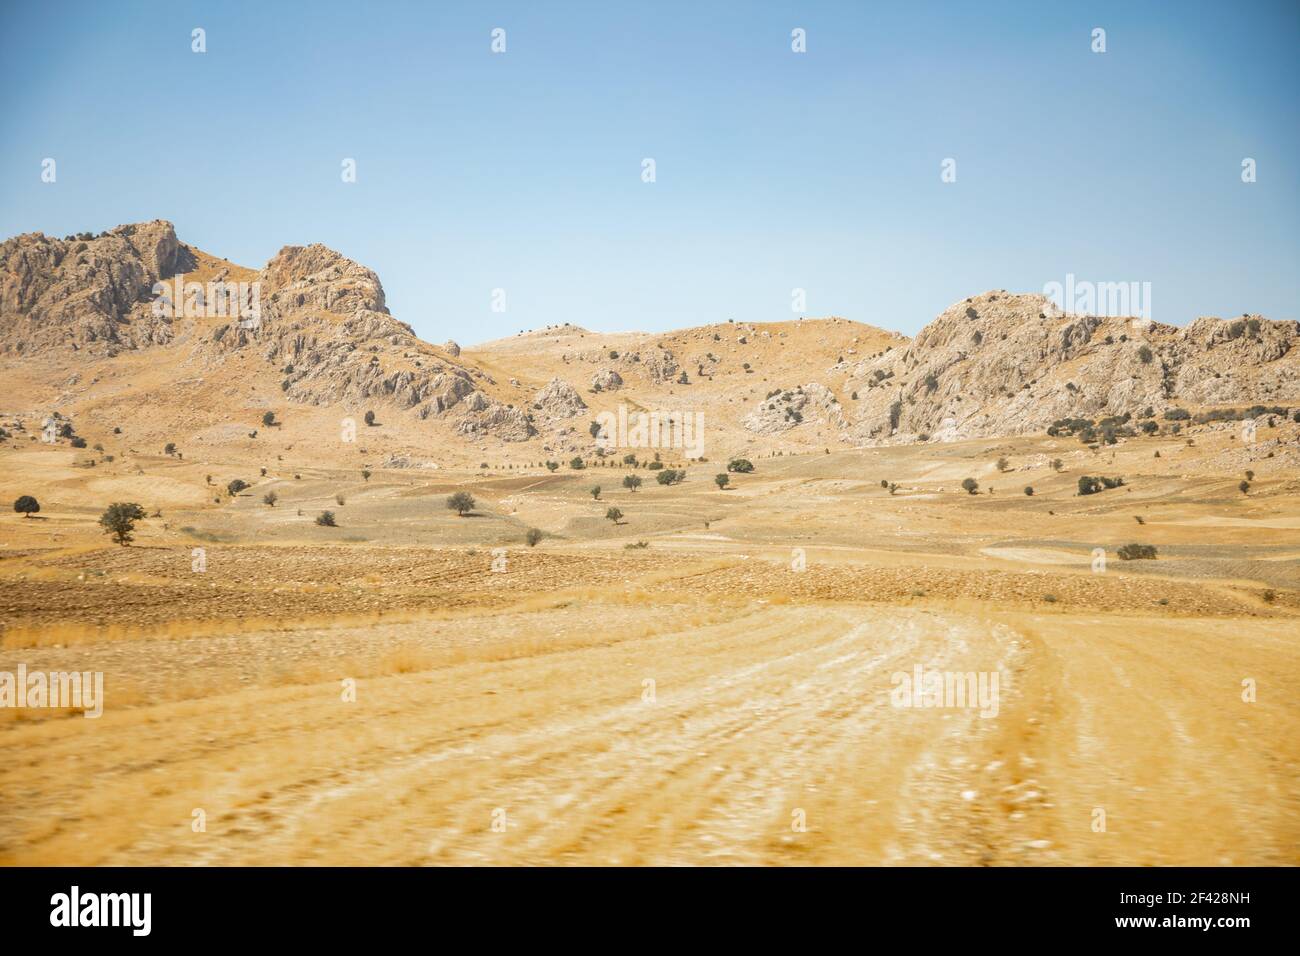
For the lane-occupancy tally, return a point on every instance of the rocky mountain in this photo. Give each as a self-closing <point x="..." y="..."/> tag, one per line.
<point x="312" y="330"/>
<point x="1011" y="364"/>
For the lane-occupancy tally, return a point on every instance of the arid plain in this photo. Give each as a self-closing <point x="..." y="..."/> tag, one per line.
<point x="502" y="709"/>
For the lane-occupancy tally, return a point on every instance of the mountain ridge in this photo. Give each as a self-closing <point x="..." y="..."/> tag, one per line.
<point x="79" y="313"/>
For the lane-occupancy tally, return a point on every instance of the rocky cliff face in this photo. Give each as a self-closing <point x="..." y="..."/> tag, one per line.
<point x="1009" y="364"/>
<point x="84" y="292"/>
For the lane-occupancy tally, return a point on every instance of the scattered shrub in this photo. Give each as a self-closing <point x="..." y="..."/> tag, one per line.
<point x="740" y="465"/>
<point x="27" y="506"/>
<point x="1137" y="552"/>
<point x="632" y="482"/>
<point x="970" y="486"/>
<point x="533" y="536"/>
<point x="270" y="498"/>
<point x="1090" y="485"/>
<point x="326" y="519"/>
<point x="722" y="480"/>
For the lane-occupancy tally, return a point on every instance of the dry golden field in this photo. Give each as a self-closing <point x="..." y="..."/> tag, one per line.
<point x="711" y="681"/>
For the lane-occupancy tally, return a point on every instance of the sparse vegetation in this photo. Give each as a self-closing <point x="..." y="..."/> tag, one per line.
<point x="970" y="486"/>
<point x="595" y="492"/>
<point x="270" y="498"/>
<point x="370" y="418"/>
<point x="1137" y="552"/>
<point x="614" y="515"/>
<point x="1090" y="484"/>
<point x="740" y="465"/>
<point x="119" y="520"/>
<point x="722" y="481"/>
<point x="1029" y="491"/>
<point x="461" y="502"/>
<point x="326" y="519"/>
<point x="26" y="505"/>
<point x="533" y="536"/>
<point x="632" y="482"/>
<point x="236" y="486"/>
<point x="268" y="419"/>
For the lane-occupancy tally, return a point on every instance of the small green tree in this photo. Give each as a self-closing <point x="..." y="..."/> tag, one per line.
<point x="236" y="486"/>
<point x="970" y="486"/>
<point x="365" y="474"/>
<point x="614" y="515"/>
<point x="533" y="536"/>
<point x="632" y="482"/>
<point x="268" y="419"/>
<point x="552" y="465"/>
<point x="595" y="492"/>
<point x="1029" y="490"/>
<point x="370" y="418"/>
<point x="576" y="463"/>
<point x="119" y="520"/>
<point x="462" y="502"/>
<point x="270" y="498"/>
<point x="740" y="465"/>
<point x="722" y="481"/>
<point x="1244" y="487"/>
<point x="1003" y="464"/>
<point x="169" y="448"/>
<point x="27" y="506"/>
<point x="326" y="519"/>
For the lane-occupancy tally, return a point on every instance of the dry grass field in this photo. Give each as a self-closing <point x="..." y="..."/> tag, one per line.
<point x="710" y="681"/>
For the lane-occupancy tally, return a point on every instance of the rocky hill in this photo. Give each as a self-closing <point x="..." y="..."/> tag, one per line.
<point x="129" y="321"/>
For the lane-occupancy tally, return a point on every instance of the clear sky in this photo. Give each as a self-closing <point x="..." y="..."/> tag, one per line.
<point x="774" y="170"/>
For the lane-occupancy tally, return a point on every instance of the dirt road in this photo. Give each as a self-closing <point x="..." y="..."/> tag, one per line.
<point x="769" y="737"/>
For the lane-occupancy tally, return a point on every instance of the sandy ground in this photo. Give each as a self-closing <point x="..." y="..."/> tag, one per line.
<point x="726" y="694"/>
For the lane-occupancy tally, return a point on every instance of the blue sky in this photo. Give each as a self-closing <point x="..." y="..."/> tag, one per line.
<point x="775" y="170"/>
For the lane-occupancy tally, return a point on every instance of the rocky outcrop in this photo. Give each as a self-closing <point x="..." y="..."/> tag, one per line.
<point x="784" y="409"/>
<point x="1009" y="364"/>
<point x="558" y="399"/>
<point x="92" y="291"/>
<point x="607" y="380"/>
